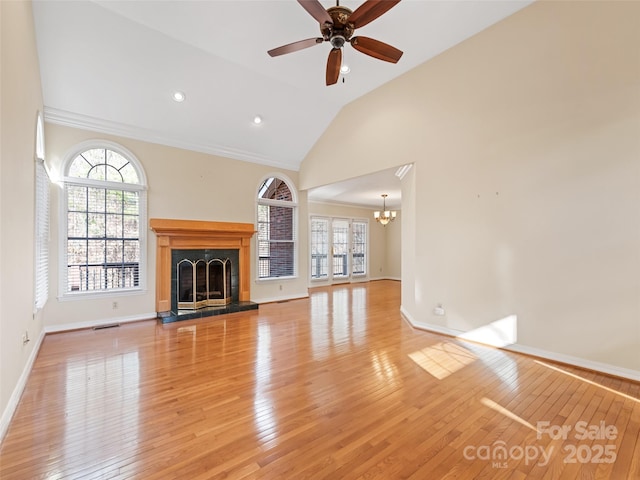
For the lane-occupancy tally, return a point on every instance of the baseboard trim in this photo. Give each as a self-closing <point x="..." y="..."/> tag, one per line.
<point x="585" y="364"/>
<point x="284" y="298"/>
<point x="395" y="279"/>
<point x="99" y="323"/>
<point x="10" y="409"/>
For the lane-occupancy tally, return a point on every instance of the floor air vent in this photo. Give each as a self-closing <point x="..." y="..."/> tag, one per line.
<point x="109" y="325"/>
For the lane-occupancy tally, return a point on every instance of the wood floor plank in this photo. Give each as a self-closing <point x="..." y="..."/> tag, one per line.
<point x="335" y="386"/>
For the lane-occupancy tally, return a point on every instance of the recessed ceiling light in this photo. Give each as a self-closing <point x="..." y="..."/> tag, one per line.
<point x="257" y="119"/>
<point x="178" y="96"/>
<point x="344" y="69"/>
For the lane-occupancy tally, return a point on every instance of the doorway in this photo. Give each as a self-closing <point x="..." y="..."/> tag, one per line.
<point x="338" y="249"/>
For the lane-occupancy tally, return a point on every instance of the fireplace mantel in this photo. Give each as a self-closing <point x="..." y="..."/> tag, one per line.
<point x="197" y="234"/>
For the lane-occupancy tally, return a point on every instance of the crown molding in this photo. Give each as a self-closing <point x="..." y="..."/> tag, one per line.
<point x="86" y="122"/>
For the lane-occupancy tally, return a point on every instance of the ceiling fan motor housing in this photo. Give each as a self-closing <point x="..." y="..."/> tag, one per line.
<point x="341" y="31"/>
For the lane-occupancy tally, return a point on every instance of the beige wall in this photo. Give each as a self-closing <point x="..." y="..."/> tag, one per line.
<point x="393" y="251"/>
<point x="182" y="185"/>
<point x="384" y="256"/>
<point x="21" y="97"/>
<point x="526" y="143"/>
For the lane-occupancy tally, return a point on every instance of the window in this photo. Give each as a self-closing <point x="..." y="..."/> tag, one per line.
<point x="319" y="247"/>
<point x="276" y="229"/>
<point x="42" y="207"/>
<point x="347" y="241"/>
<point x="359" y="248"/>
<point x="105" y="211"/>
<point x="340" y="248"/>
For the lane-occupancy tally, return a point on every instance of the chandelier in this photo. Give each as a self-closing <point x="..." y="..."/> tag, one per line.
<point x="385" y="216"/>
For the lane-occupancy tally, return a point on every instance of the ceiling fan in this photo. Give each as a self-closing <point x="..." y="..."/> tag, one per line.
<point x="337" y="25"/>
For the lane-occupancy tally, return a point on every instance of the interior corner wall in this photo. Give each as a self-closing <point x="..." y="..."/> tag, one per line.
<point x="526" y="145"/>
<point x="183" y="185"/>
<point x="409" y="289"/>
<point x="21" y="99"/>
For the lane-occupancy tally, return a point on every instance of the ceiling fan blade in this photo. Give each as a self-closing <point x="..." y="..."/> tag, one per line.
<point x="295" y="46"/>
<point x="370" y="10"/>
<point x="334" y="62"/>
<point x="316" y="10"/>
<point x="376" y="49"/>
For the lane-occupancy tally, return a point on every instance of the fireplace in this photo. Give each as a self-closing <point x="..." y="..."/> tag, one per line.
<point x="202" y="268"/>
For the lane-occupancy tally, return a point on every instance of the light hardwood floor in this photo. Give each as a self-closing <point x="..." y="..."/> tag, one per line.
<point x="336" y="386"/>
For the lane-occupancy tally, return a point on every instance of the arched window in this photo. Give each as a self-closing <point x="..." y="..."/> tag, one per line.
<point x="277" y="226"/>
<point x="105" y="213"/>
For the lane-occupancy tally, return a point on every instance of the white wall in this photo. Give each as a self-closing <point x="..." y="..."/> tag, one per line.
<point x="182" y="185"/>
<point x="21" y="99"/>
<point x="526" y="146"/>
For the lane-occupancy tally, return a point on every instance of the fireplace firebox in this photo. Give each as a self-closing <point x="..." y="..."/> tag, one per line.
<point x="203" y="278"/>
<point x="203" y="283"/>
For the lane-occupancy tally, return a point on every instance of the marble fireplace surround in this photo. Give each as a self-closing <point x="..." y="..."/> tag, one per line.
<point x="197" y="234"/>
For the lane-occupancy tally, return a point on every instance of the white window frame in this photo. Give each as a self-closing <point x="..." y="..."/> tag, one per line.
<point x="327" y="242"/>
<point x="335" y="249"/>
<point x="351" y="277"/>
<point x="293" y="204"/>
<point x="365" y="222"/>
<point x="141" y="188"/>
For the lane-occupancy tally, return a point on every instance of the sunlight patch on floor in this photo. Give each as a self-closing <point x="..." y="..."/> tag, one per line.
<point x="443" y="359"/>
<point x="506" y="412"/>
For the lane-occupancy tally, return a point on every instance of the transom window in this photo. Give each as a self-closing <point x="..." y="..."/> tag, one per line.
<point x="105" y="203"/>
<point x="276" y="229"/>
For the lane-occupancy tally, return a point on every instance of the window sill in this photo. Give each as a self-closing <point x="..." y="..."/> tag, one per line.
<point x="275" y="279"/>
<point x="73" y="296"/>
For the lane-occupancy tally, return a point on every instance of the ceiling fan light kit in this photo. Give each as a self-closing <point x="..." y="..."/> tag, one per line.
<point x="337" y="26"/>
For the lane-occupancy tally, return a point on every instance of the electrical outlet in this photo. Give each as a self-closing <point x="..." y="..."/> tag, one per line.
<point x="114" y="305"/>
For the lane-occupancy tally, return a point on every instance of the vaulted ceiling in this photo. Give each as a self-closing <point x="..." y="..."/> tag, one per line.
<point x="112" y="66"/>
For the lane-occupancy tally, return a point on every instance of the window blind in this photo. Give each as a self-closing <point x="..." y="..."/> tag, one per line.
<point x="42" y="208"/>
